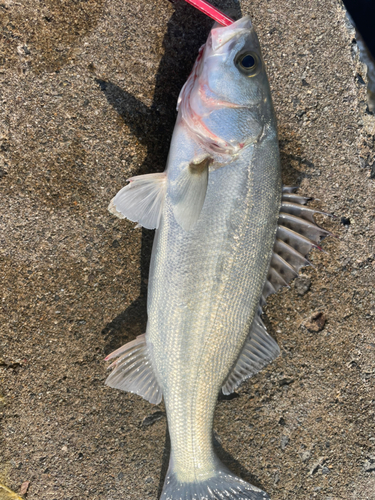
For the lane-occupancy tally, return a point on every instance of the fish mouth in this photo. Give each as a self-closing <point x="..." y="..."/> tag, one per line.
<point x="221" y="36"/>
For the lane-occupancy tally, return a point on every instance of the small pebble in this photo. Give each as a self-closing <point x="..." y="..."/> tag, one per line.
<point x="305" y="456"/>
<point x="316" y="322"/>
<point x="345" y="221"/>
<point x="151" y="419"/>
<point x="24" y="487"/>
<point x="369" y="465"/>
<point x="286" y="381"/>
<point x="316" y="466"/>
<point x="284" y="441"/>
<point x="302" y="285"/>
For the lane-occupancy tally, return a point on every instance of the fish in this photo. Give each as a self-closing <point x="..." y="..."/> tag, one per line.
<point x="228" y="234"/>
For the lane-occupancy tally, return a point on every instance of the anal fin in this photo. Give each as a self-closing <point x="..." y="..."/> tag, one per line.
<point x="258" y="351"/>
<point x="133" y="371"/>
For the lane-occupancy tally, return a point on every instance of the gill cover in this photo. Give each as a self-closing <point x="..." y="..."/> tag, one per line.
<point x="226" y="100"/>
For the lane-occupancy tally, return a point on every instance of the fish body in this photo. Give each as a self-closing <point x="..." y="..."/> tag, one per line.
<point x="205" y="283"/>
<point x="216" y="210"/>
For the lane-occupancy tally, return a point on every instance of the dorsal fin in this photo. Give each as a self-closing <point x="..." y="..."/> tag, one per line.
<point x="297" y="234"/>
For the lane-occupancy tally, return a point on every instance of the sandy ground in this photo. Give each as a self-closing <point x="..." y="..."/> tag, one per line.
<point x="88" y="93"/>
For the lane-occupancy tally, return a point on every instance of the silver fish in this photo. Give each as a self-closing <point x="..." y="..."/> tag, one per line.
<point x="221" y="247"/>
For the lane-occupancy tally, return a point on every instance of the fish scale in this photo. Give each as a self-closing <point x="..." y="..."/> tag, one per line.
<point x="217" y="209"/>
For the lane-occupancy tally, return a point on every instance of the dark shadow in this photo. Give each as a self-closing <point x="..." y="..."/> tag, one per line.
<point x="187" y="31"/>
<point x="227" y="397"/>
<point x="235" y="466"/>
<point x="165" y="461"/>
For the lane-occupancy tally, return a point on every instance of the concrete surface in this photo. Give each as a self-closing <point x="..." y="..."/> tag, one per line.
<point x="88" y="93"/>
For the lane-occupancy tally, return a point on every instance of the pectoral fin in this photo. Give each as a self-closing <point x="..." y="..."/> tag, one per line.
<point x="188" y="192"/>
<point x="141" y="200"/>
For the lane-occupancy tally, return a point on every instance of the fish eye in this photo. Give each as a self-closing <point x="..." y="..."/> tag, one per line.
<point x="247" y="63"/>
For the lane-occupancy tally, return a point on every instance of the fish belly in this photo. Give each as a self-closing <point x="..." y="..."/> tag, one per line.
<point x="204" y="290"/>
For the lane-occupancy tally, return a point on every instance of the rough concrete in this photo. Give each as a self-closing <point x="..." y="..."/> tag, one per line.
<point x="88" y="93"/>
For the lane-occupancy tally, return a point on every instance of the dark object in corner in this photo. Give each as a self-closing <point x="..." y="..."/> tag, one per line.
<point x="363" y="15"/>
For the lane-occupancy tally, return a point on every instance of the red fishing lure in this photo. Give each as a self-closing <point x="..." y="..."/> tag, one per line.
<point x="211" y="11"/>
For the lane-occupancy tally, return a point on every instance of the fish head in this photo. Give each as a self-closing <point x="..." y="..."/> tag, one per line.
<point x="234" y="65"/>
<point x="226" y="102"/>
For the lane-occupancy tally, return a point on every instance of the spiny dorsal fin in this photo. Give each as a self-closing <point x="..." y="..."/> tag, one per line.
<point x="133" y="371"/>
<point x="297" y="234"/>
<point x="296" y="198"/>
<point x="141" y="200"/>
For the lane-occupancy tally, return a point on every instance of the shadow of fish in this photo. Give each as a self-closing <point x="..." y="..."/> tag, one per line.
<point x="227" y="236"/>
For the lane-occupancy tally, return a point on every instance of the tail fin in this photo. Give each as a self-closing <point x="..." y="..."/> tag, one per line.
<point x="222" y="486"/>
